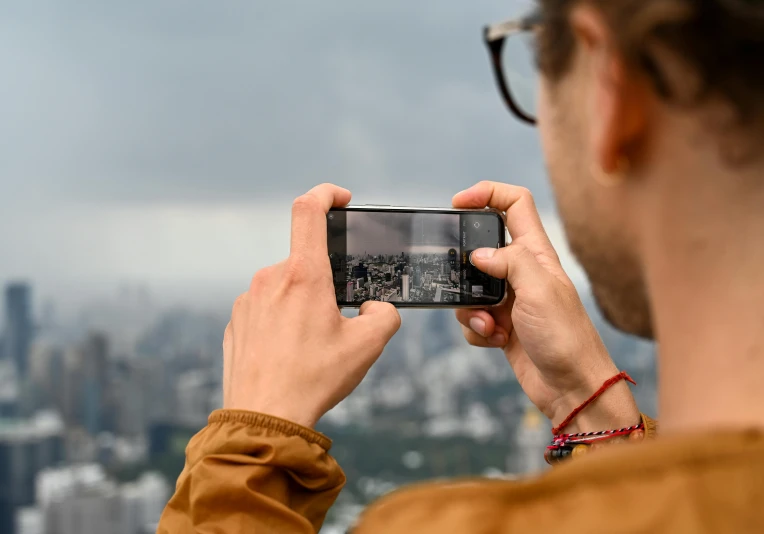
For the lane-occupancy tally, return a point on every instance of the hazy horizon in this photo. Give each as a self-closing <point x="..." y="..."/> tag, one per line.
<point x="175" y="167"/>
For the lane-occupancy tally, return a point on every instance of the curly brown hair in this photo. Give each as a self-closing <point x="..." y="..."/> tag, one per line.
<point x="721" y="42"/>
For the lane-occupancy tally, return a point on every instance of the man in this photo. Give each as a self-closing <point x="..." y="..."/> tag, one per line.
<point x="651" y="115"/>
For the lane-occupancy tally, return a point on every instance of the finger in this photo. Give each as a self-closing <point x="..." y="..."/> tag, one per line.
<point x="309" y="220"/>
<point x="375" y="325"/>
<point x="498" y="340"/>
<point x="514" y="263"/>
<point x="479" y="321"/>
<point x="523" y="220"/>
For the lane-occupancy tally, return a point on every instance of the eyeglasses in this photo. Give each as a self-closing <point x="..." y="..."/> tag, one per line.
<point x="517" y="36"/>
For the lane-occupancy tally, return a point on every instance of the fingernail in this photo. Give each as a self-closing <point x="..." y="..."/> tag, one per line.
<point x="498" y="339"/>
<point x="483" y="254"/>
<point x="478" y="325"/>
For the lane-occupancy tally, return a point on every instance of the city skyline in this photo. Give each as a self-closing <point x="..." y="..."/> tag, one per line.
<point x="406" y="278"/>
<point x="124" y="413"/>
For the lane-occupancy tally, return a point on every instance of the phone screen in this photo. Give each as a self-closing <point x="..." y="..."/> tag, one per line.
<point x="413" y="257"/>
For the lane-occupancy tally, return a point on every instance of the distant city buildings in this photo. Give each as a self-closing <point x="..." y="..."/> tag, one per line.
<point x="418" y="278"/>
<point x="27" y="446"/>
<point x="132" y="405"/>
<point x="10" y="390"/>
<point x="198" y="392"/>
<point x="83" y="385"/>
<point x="19" y="328"/>
<point x="81" y="499"/>
<point x="349" y="293"/>
<point x="531" y="438"/>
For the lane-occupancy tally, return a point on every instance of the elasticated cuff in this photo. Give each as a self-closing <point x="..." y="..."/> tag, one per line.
<point x="272" y="423"/>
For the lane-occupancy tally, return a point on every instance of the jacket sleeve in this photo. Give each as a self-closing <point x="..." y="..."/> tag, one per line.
<point x="249" y="472"/>
<point x="651" y="427"/>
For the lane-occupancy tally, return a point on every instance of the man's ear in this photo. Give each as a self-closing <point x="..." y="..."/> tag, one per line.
<point x="618" y="99"/>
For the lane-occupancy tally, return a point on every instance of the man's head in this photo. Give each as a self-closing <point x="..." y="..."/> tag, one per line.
<point x="634" y="91"/>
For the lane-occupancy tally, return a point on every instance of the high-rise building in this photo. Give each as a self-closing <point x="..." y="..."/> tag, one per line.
<point x="9" y="390"/>
<point x="349" y="292"/>
<point x="339" y="267"/>
<point x="86" y="396"/>
<point x="26" y="447"/>
<point x="360" y="271"/>
<point x="29" y="521"/>
<point x="143" y="502"/>
<point x="80" y="499"/>
<point x="405" y="288"/>
<point x="418" y="277"/>
<point x="130" y="387"/>
<point x="18" y="325"/>
<point x="195" y="396"/>
<point x="95" y="352"/>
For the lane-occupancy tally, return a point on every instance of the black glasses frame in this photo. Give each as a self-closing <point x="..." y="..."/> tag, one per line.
<point x="495" y="36"/>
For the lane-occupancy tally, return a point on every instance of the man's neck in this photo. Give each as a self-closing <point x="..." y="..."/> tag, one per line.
<point x="704" y="267"/>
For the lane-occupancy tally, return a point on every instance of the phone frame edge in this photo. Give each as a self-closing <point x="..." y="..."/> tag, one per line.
<point x="507" y="240"/>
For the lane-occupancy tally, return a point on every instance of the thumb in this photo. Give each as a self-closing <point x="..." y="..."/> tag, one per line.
<point x="514" y="263"/>
<point x="376" y="324"/>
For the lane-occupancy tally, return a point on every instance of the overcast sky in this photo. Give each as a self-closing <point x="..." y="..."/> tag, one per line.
<point x="162" y="141"/>
<point x="393" y="233"/>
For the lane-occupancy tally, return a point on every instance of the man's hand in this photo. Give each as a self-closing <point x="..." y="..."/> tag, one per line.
<point x="288" y="351"/>
<point x="550" y="342"/>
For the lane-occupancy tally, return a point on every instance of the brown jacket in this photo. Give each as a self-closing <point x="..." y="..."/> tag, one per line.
<point x="252" y="473"/>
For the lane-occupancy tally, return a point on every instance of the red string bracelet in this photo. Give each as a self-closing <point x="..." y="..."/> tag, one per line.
<point x="623" y="375"/>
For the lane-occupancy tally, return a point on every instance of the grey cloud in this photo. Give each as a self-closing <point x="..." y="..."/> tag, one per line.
<point x="391" y="233"/>
<point x="196" y="101"/>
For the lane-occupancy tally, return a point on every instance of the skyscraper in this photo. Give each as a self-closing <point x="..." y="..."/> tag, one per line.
<point x="405" y="287"/>
<point x="360" y="271"/>
<point x="418" y="277"/>
<point x="95" y="361"/>
<point x="26" y="447"/>
<point x="350" y="294"/>
<point x="18" y="326"/>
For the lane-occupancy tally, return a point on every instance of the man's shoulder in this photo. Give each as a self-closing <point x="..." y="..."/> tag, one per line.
<point x="685" y="484"/>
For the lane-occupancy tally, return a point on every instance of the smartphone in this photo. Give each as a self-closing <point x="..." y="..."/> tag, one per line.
<point x="413" y="257"/>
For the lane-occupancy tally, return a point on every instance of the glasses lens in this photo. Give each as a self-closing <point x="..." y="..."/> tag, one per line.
<point x="519" y="63"/>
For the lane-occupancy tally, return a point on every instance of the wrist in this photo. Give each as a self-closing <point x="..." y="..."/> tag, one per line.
<point x="278" y="410"/>
<point x="615" y="408"/>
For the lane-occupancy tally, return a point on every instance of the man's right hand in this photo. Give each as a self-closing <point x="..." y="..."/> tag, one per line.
<point x="556" y="353"/>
